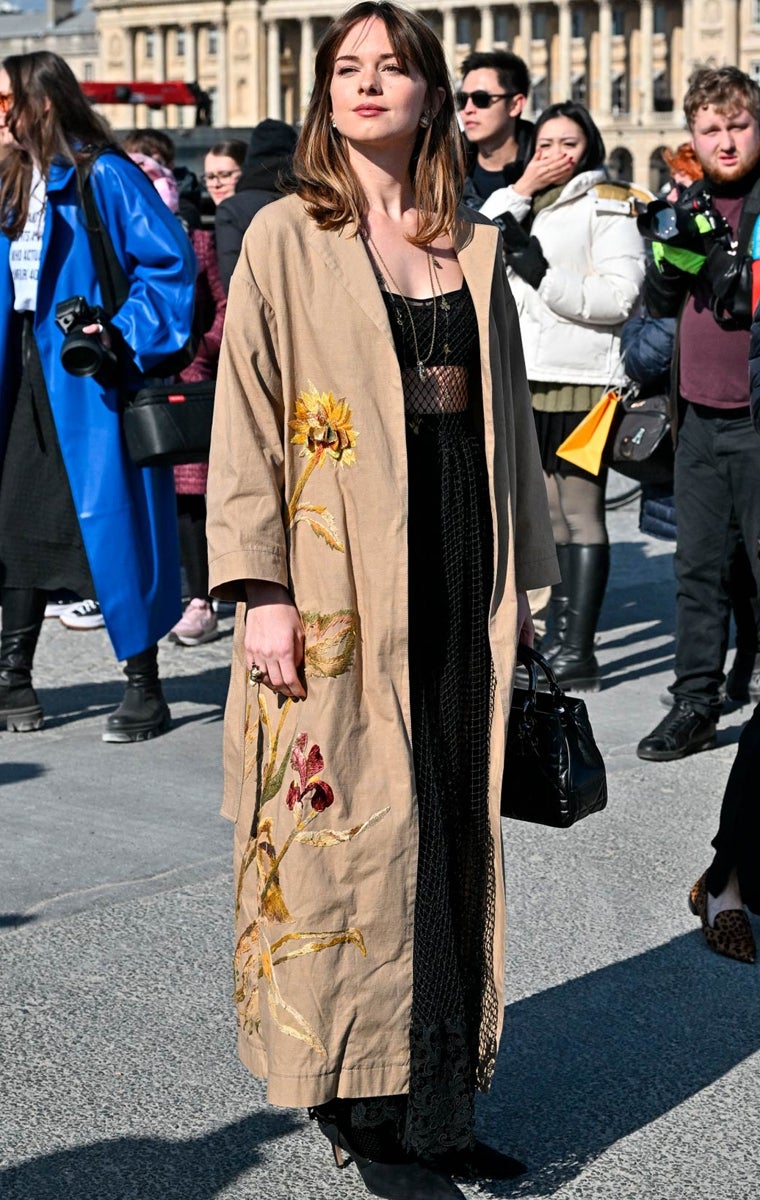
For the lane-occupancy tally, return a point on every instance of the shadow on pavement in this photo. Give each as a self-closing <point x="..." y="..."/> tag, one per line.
<point x="144" y="1168"/>
<point x="17" y="772"/>
<point x="591" y="1061"/>
<point x="14" y="920"/>
<point x="80" y="701"/>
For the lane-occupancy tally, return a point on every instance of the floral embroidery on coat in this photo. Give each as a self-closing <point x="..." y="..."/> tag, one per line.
<point x="322" y="426"/>
<point x="308" y="796"/>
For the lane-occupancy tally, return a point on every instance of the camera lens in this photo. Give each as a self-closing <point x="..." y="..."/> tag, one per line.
<point x="82" y="354"/>
<point x="665" y="224"/>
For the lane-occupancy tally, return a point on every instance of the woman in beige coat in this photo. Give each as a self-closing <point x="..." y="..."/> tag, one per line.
<point x="376" y="505"/>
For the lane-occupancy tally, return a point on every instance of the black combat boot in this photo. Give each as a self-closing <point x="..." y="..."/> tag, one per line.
<point x="143" y="713"/>
<point x="575" y="663"/>
<point x="23" y="614"/>
<point x="556" y="618"/>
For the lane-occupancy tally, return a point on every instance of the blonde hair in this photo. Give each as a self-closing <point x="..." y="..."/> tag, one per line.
<point x="325" y="180"/>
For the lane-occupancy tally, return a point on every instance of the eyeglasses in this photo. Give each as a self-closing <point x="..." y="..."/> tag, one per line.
<point x="6" y="102"/>
<point x="221" y="176"/>
<point x="482" y="99"/>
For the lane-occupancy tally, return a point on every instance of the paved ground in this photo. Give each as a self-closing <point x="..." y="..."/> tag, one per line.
<point x="629" y="1066"/>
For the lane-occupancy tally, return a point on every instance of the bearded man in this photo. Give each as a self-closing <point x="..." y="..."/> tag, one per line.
<point x="703" y="276"/>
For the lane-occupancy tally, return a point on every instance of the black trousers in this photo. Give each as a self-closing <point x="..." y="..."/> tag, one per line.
<point x="717" y="490"/>
<point x="737" y="842"/>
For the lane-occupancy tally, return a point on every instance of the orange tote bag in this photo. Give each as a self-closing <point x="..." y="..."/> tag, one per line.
<point x="585" y="445"/>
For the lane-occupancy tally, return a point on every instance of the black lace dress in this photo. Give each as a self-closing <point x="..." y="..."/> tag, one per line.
<point x="454" y="1005"/>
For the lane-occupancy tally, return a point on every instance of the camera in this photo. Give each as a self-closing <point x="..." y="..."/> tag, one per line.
<point x="685" y="223"/>
<point x="82" y="353"/>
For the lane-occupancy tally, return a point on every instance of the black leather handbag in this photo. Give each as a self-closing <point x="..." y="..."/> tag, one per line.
<point x="639" y="444"/>
<point x="168" y="424"/>
<point x="553" y="772"/>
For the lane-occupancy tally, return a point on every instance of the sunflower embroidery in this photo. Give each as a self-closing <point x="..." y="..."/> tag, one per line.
<point x="322" y="427"/>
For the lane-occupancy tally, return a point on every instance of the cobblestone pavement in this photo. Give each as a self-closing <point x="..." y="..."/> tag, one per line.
<point x="629" y="1064"/>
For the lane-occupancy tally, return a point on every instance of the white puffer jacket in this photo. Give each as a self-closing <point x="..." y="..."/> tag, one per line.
<point x="571" y="324"/>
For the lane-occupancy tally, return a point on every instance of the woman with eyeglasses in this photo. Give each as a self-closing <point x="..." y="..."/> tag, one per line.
<point x="75" y="513"/>
<point x="222" y="167"/>
<point x="576" y="266"/>
<point x="376" y="507"/>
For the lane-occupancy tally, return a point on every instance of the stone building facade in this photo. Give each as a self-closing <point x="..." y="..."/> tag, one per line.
<point x="628" y="60"/>
<point x="57" y="27"/>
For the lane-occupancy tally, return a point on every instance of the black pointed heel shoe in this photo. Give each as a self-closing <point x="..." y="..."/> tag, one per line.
<point x="392" y="1181"/>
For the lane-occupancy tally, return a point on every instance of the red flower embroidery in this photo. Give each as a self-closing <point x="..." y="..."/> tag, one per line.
<point x="308" y="766"/>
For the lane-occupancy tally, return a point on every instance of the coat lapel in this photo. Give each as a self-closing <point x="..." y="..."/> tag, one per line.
<point x="347" y="258"/>
<point x="474" y="243"/>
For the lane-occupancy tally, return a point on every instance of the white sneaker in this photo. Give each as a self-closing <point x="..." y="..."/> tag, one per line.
<point x="86" y="615"/>
<point x="56" y="607"/>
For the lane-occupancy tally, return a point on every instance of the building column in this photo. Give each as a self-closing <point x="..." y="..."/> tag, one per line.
<point x="646" y="78"/>
<point x="450" y="38"/>
<point x="273" y="71"/>
<point x="129" y="54"/>
<point x="731" y="36"/>
<point x="306" y="64"/>
<point x="486" y="28"/>
<point x="562" y="87"/>
<point x="222" y="105"/>
<point x="604" y="97"/>
<point x="688" y="37"/>
<point x="525" y="32"/>
<point x="128" y="111"/>
<point x="159" y="53"/>
<point x="191" y="53"/>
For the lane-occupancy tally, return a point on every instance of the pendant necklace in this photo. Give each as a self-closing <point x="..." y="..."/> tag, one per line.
<point x="421" y="367"/>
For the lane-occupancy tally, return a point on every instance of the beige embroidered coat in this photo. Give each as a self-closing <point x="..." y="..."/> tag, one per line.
<point x="308" y="487"/>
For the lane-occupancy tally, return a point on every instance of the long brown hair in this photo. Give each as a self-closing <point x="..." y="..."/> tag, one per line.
<point x="325" y="180"/>
<point x="50" y="118"/>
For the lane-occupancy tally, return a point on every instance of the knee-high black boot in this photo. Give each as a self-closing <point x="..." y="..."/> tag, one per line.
<point x="575" y="663"/>
<point x="23" y="614"/>
<point x="556" y="620"/>
<point x="143" y="713"/>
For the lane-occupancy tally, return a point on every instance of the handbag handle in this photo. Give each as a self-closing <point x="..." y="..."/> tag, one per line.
<point x="532" y="660"/>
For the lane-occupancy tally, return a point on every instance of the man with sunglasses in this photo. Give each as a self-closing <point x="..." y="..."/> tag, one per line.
<point x="495" y="86"/>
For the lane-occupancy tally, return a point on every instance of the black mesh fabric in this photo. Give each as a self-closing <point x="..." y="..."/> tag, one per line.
<point x="454" y="1005"/>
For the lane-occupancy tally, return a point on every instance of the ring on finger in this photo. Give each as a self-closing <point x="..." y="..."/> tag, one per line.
<point x="255" y="675"/>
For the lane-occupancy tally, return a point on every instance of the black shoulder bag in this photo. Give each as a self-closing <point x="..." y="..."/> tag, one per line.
<point x="164" y="423"/>
<point x="640" y="444"/>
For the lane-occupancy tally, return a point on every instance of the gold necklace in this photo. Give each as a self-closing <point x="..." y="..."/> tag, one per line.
<point x="421" y="362"/>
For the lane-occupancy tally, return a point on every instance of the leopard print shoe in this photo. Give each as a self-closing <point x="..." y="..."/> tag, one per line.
<point x="731" y="933"/>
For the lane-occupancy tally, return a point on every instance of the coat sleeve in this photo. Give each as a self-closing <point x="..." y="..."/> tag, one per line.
<point x="229" y="237"/>
<point x="211" y="300"/>
<point x="156" y="319"/>
<point x="534" y="550"/>
<point x="647" y="345"/>
<point x="664" y="290"/>
<point x="607" y="293"/>
<point x="754" y="373"/>
<point x="506" y="200"/>
<point x="245" y="528"/>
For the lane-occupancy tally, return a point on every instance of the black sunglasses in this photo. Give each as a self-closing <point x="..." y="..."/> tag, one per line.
<point x="482" y="99"/>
